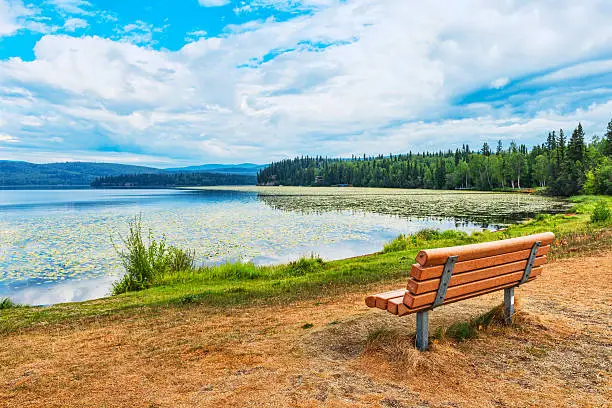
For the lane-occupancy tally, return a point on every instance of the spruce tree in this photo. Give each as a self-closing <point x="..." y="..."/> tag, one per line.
<point x="561" y="147"/>
<point x="551" y="141"/>
<point x="486" y="150"/>
<point x="575" y="147"/>
<point x="608" y="140"/>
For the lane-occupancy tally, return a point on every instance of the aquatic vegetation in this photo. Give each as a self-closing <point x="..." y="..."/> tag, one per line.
<point x="65" y="237"/>
<point x="469" y="207"/>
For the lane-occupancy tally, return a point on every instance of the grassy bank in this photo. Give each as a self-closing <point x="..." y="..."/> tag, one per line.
<point x="239" y="284"/>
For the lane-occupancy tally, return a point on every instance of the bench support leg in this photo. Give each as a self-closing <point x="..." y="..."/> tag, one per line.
<point x="422" y="330"/>
<point x="508" y="305"/>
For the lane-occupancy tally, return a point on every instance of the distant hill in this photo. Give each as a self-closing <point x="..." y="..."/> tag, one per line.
<point x="244" y="168"/>
<point x="19" y="173"/>
<point x="173" y="179"/>
<point x="24" y="174"/>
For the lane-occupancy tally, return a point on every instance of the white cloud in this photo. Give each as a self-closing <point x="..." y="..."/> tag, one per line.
<point x="140" y="33"/>
<point x="576" y="71"/>
<point x="213" y="3"/>
<point x="72" y="6"/>
<point x="500" y="82"/>
<point x="195" y="35"/>
<point x="15" y="16"/>
<point x="284" y="5"/>
<point x="11" y="13"/>
<point x="72" y="24"/>
<point x="4" y="138"/>
<point x="367" y="76"/>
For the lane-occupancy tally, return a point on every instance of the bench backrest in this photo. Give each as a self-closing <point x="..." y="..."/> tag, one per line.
<point x="476" y="269"/>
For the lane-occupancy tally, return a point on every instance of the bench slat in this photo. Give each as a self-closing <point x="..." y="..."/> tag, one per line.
<point x="420" y="287"/>
<point x="379" y="300"/>
<point x="420" y="273"/>
<point x="393" y="304"/>
<point x="403" y="310"/>
<point x="414" y="301"/>
<point x="438" y="256"/>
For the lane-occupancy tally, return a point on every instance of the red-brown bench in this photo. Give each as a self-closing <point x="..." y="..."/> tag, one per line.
<point x="447" y="275"/>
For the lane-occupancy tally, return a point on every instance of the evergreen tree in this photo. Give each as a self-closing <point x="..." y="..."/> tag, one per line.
<point x="485" y="149"/>
<point x="500" y="148"/>
<point x="551" y="142"/>
<point x="608" y="140"/>
<point x="561" y="147"/>
<point x="457" y="157"/>
<point x="575" y="147"/>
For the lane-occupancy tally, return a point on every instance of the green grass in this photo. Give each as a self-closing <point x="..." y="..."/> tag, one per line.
<point x="460" y="331"/>
<point x="238" y="284"/>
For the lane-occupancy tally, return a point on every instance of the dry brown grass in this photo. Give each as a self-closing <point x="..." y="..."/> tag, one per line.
<point x="557" y="355"/>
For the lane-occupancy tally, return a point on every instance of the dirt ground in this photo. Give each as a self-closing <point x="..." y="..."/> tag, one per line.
<point x="559" y="354"/>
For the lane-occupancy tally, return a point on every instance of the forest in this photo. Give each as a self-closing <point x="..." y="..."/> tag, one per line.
<point x="32" y="175"/>
<point x="561" y="165"/>
<point x="163" y="180"/>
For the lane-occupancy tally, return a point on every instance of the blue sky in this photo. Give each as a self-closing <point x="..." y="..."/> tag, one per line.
<point x="188" y="82"/>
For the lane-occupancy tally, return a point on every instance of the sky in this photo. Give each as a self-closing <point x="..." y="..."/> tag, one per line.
<point x="186" y="82"/>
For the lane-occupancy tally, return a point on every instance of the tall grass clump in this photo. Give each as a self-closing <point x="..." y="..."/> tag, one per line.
<point x="601" y="212"/>
<point x="461" y="331"/>
<point x="305" y="265"/>
<point x="146" y="259"/>
<point x="7" y="303"/>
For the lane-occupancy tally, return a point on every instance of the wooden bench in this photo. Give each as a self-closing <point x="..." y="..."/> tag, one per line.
<point x="447" y="275"/>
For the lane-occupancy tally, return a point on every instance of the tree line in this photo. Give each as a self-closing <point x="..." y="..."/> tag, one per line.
<point x="561" y="165"/>
<point x="180" y="179"/>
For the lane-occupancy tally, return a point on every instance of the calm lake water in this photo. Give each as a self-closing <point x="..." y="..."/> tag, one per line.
<point x="56" y="245"/>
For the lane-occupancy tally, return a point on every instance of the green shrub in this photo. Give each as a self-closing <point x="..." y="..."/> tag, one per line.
<point x="147" y="260"/>
<point x="6" y="303"/>
<point x="180" y="259"/>
<point x="601" y="213"/>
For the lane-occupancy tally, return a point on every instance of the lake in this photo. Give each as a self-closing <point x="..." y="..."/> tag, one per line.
<point x="57" y="245"/>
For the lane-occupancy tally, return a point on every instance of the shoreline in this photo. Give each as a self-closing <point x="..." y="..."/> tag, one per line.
<point x="239" y="284"/>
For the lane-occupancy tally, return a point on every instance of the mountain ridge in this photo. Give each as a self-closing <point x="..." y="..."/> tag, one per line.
<point x="15" y="173"/>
